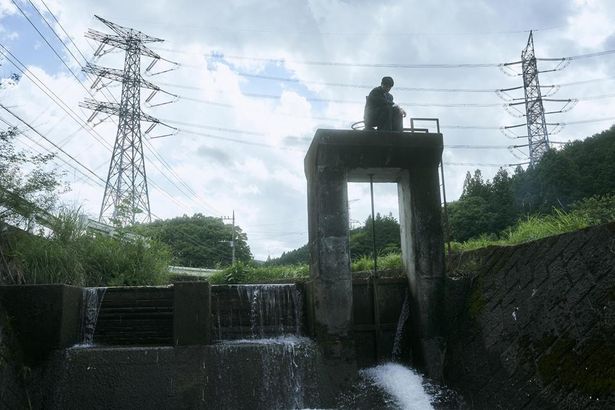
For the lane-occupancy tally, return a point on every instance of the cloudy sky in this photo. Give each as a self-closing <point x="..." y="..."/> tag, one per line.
<point x="255" y="79"/>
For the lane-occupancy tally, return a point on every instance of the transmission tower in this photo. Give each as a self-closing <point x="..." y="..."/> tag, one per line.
<point x="126" y="197"/>
<point x="537" y="135"/>
<point x="537" y="131"/>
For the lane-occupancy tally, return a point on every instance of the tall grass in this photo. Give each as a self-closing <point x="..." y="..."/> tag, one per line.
<point x="530" y="229"/>
<point x="389" y="262"/>
<point x="67" y="254"/>
<point x="247" y="273"/>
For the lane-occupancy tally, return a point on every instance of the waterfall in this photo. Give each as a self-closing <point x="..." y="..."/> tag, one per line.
<point x="90" y="307"/>
<point x="258" y="311"/>
<point x="284" y="366"/>
<point x="403" y="385"/>
<point x="403" y="318"/>
<point x="275" y="310"/>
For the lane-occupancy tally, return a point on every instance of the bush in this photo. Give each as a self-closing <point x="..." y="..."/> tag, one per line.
<point x="72" y="256"/>
<point x="596" y="209"/>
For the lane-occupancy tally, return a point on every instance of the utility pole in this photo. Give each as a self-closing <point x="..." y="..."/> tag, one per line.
<point x="232" y="242"/>
<point x="126" y="193"/>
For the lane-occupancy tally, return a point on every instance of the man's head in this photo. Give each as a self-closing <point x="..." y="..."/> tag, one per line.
<point x="387" y="83"/>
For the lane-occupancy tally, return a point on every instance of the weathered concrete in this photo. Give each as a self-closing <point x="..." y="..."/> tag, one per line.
<point x="274" y="375"/>
<point x="337" y="157"/>
<point x="44" y="317"/>
<point x="192" y="313"/>
<point x="533" y="326"/>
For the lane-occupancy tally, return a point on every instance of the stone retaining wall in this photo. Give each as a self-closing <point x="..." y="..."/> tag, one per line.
<point x="533" y="326"/>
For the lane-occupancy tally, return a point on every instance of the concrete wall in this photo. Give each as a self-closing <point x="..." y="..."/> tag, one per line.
<point x="226" y="376"/>
<point x="43" y="317"/>
<point x="533" y="326"/>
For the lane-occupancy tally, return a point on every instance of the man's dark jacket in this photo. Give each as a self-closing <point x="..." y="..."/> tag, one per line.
<point x="376" y="102"/>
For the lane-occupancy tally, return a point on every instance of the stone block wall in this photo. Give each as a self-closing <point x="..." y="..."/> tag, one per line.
<point x="533" y="326"/>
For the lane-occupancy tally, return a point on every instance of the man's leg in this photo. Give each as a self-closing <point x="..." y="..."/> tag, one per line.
<point x="397" y="120"/>
<point x="385" y="119"/>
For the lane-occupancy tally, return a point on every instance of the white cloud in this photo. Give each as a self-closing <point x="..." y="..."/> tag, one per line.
<point x="265" y="184"/>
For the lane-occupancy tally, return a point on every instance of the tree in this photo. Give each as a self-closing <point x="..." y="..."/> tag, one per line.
<point x="387" y="237"/>
<point x="387" y="241"/>
<point x="198" y="240"/>
<point x="296" y="256"/>
<point x="28" y="189"/>
<point x="470" y="217"/>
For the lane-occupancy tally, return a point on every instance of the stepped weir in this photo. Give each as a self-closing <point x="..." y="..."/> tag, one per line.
<point x="269" y="346"/>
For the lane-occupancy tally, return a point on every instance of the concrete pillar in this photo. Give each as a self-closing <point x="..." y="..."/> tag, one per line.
<point x="192" y="313"/>
<point x="423" y="257"/>
<point x="330" y="258"/>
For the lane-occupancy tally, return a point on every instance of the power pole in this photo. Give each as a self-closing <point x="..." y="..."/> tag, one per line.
<point x="537" y="135"/>
<point x="232" y="241"/>
<point x="126" y="197"/>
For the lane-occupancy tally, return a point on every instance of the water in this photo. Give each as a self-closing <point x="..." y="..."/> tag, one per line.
<point x="403" y="318"/>
<point x="260" y="311"/>
<point x="281" y="373"/>
<point x="92" y="300"/>
<point x="402" y="384"/>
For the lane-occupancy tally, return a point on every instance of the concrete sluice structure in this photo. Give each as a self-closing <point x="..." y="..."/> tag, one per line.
<point x="410" y="160"/>
<point x="276" y="346"/>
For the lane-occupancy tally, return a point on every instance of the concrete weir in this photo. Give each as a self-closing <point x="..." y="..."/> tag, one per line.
<point x="411" y="160"/>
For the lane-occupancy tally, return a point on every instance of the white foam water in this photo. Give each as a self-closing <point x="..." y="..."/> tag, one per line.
<point x="403" y="384"/>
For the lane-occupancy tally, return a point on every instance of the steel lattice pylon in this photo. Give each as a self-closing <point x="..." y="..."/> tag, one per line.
<point x="126" y="197"/>
<point x="538" y="137"/>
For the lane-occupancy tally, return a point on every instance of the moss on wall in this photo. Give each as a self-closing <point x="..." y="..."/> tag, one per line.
<point x="590" y="369"/>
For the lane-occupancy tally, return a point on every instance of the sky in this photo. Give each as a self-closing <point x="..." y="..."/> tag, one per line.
<point x="253" y="81"/>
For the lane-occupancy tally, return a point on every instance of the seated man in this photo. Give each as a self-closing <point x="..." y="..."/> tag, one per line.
<point x="380" y="111"/>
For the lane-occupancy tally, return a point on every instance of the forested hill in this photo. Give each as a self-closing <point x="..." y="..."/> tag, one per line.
<point x="578" y="170"/>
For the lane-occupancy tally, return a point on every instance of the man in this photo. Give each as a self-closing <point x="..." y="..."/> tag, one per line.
<point x="380" y="110"/>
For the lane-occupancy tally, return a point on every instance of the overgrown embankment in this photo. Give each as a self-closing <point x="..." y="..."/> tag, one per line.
<point x="532" y="325"/>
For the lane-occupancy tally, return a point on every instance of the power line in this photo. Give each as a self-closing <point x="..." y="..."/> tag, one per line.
<point x="148" y="145"/>
<point x="62" y="27"/>
<point x="278" y="61"/>
<point x="240" y="141"/>
<point x="50" y="93"/>
<point x="377" y="33"/>
<point x="58" y="101"/>
<point x="49" y="141"/>
<point x="346" y="85"/>
<point x="47" y="42"/>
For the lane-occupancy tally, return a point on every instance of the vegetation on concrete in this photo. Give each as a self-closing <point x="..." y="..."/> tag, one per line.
<point x="69" y="254"/>
<point x="37" y="246"/>
<point x="250" y="273"/>
<point x="584" y="213"/>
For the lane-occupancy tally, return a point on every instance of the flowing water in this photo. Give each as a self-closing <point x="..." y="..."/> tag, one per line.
<point x="401" y="322"/>
<point x="259" y="311"/>
<point x="90" y="307"/>
<point x="260" y="349"/>
<point x="282" y="373"/>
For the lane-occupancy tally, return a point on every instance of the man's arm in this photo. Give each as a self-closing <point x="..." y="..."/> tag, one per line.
<point x="377" y="98"/>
